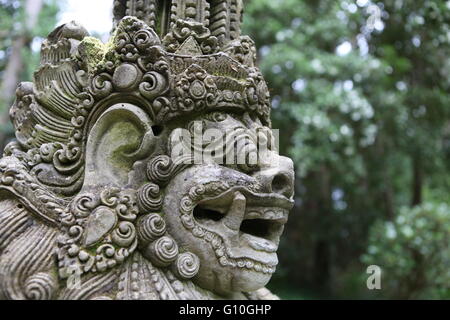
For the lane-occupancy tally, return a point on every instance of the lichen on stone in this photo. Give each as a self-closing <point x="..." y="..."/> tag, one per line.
<point x="92" y="52"/>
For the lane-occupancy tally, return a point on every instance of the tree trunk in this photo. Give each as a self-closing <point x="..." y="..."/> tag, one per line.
<point x="417" y="182"/>
<point x="322" y="254"/>
<point x="388" y="198"/>
<point x="387" y="192"/>
<point x="15" y="65"/>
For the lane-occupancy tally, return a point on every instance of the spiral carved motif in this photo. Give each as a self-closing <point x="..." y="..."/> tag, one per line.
<point x="101" y="86"/>
<point x="153" y="85"/>
<point x="41" y="286"/>
<point x="144" y="39"/>
<point x="125" y="234"/>
<point x="159" y="169"/>
<point x="151" y="227"/>
<point x="187" y="265"/>
<point x="150" y="198"/>
<point x="163" y="251"/>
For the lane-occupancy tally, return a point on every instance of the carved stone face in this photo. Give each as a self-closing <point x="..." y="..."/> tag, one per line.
<point x="95" y="194"/>
<point x="232" y="215"/>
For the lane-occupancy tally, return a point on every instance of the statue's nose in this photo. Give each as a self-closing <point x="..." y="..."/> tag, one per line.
<point x="277" y="176"/>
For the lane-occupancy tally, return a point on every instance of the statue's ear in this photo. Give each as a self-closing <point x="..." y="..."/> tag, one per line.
<point x="121" y="136"/>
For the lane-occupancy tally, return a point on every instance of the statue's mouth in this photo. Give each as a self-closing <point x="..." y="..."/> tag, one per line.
<point x="263" y="227"/>
<point x="254" y="221"/>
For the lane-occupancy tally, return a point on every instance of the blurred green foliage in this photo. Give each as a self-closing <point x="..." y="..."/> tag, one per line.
<point x="12" y="26"/>
<point x="414" y="253"/>
<point x="361" y="94"/>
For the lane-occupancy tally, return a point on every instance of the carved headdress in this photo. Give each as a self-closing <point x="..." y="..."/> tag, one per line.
<point x="91" y="159"/>
<point x="182" y="58"/>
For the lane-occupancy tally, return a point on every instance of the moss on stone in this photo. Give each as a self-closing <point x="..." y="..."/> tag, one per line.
<point x="92" y="52"/>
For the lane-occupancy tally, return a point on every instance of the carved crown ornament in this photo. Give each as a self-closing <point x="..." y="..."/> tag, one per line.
<point x="91" y="182"/>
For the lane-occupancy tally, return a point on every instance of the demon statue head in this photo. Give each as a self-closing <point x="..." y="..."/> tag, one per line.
<point x="144" y="168"/>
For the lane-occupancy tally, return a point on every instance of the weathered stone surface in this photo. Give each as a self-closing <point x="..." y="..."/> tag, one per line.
<point x="101" y="221"/>
<point x="94" y="180"/>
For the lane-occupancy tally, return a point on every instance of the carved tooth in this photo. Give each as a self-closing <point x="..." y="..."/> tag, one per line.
<point x="236" y="212"/>
<point x="266" y="214"/>
<point x="253" y="215"/>
<point x="274" y="214"/>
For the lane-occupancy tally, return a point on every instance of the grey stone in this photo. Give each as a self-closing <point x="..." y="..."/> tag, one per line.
<point x="94" y="201"/>
<point x="101" y="221"/>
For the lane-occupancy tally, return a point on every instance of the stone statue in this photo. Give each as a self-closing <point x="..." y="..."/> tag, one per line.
<point x="95" y="205"/>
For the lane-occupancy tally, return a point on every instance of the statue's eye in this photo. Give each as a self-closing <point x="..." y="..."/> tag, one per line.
<point x="216" y="116"/>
